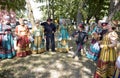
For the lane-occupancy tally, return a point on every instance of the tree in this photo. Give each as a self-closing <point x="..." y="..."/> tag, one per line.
<point x="12" y="4"/>
<point x="113" y="9"/>
<point x="9" y="7"/>
<point x="30" y="13"/>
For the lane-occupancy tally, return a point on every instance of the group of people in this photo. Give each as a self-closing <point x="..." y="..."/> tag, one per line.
<point x="22" y="41"/>
<point x="102" y="47"/>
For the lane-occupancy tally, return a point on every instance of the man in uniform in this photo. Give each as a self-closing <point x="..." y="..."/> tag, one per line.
<point x="49" y="30"/>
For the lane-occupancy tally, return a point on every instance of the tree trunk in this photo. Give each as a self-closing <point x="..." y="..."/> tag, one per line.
<point x="88" y="19"/>
<point x="79" y="17"/>
<point x="30" y="13"/>
<point x="52" y="9"/>
<point x="111" y="8"/>
<point x="115" y="10"/>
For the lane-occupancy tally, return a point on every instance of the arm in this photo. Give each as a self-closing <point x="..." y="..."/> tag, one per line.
<point x="16" y="31"/>
<point x="113" y="38"/>
<point x="54" y="28"/>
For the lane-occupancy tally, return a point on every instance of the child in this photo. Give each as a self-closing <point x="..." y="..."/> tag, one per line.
<point x="81" y="37"/>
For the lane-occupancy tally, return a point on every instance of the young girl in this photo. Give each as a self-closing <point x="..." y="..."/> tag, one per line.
<point x="63" y="45"/>
<point x="38" y="45"/>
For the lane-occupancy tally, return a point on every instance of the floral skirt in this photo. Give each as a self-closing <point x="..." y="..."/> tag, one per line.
<point x="38" y="45"/>
<point x="23" y="46"/>
<point x="93" y="53"/>
<point x="7" y="47"/>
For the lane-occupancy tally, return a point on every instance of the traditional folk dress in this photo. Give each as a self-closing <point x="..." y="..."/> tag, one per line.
<point x="63" y="39"/>
<point x="23" y="41"/>
<point x="108" y="56"/>
<point x="6" y="42"/>
<point x="38" y="45"/>
<point x="94" y="48"/>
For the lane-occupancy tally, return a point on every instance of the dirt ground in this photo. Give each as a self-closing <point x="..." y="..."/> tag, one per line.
<point x="47" y="65"/>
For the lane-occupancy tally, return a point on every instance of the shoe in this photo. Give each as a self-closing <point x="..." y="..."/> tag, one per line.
<point x="73" y="56"/>
<point x="77" y="58"/>
<point x="47" y="50"/>
<point x="53" y="50"/>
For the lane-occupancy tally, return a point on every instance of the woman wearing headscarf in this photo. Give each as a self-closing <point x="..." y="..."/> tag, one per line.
<point x="108" y="54"/>
<point x="63" y="38"/>
<point x="6" y="39"/>
<point x="23" y="39"/>
<point x="38" y="45"/>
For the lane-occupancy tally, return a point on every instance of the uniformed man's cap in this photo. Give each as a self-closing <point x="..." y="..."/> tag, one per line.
<point x="49" y="19"/>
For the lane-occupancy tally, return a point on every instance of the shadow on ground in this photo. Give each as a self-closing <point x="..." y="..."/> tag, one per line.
<point x="47" y="65"/>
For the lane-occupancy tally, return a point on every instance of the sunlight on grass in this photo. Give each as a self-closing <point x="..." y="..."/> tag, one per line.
<point x="54" y="74"/>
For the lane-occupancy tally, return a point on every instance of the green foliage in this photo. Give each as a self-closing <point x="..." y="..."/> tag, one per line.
<point x="12" y="4"/>
<point x="116" y="16"/>
<point x="69" y="8"/>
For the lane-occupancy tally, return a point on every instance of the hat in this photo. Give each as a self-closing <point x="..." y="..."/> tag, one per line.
<point x="104" y="24"/>
<point x="49" y="20"/>
<point x="81" y="26"/>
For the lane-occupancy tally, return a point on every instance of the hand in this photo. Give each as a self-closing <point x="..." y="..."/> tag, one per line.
<point x="76" y="36"/>
<point x="103" y="46"/>
<point x="44" y="37"/>
<point x="53" y="32"/>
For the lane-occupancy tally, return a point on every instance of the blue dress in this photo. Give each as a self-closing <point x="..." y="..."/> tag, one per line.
<point x="6" y="42"/>
<point x="63" y="39"/>
<point x="94" y="50"/>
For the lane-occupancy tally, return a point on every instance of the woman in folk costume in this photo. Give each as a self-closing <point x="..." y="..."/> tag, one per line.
<point x="6" y="40"/>
<point x="117" y="71"/>
<point x="22" y="36"/>
<point x="108" y="54"/>
<point x="94" y="48"/>
<point x="63" y="38"/>
<point x="38" y="45"/>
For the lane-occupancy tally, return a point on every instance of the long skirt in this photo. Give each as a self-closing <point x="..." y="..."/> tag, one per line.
<point x="93" y="52"/>
<point x="38" y="45"/>
<point x="23" y="46"/>
<point x="106" y="63"/>
<point x="6" y="46"/>
<point x="63" y="46"/>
